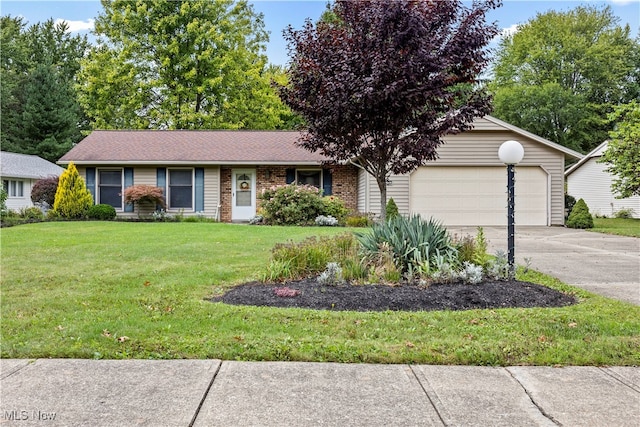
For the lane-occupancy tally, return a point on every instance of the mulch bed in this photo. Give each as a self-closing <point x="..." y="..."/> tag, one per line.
<point x="309" y="293"/>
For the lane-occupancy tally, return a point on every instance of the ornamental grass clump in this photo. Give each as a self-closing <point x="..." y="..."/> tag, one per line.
<point x="413" y="243"/>
<point x="310" y="257"/>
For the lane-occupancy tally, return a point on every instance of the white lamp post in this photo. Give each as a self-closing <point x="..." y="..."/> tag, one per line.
<point x="511" y="153"/>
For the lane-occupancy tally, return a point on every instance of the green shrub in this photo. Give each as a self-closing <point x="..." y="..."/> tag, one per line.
<point x="44" y="191"/>
<point x="580" y="216"/>
<point x="358" y="220"/>
<point x="3" y="201"/>
<point x="101" y="212"/>
<point x="481" y="256"/>
<point x="412" y="242"/>
<point x="466" y="247"/>
<point x="334" y="206"/>
<point x="391" y="209"/>
<point x="624" y="213"/>
<point x="292" y="205"/>
<point x="72" y="197"/>
<point x="31" y="213"/>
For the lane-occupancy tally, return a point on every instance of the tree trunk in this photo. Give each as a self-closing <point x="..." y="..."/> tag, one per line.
<point x="382" y="186"/>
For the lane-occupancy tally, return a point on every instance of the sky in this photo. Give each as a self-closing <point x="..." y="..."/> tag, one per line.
<point x="80" y="14"/>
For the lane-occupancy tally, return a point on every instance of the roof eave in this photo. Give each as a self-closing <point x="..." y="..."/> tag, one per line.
<point x="567" y="151"/>
<point x="187" y="162"/>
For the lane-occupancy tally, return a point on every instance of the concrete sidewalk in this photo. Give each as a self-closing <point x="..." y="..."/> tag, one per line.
<point x="68" y="392"/>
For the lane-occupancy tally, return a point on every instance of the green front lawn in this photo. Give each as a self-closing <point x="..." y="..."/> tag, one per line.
<point x="619" y="226"/>
<point x="139" y="290"/>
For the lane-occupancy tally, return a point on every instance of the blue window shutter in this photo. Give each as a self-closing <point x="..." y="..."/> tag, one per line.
<point x="327" y="182"/>
<point x="128" y="182"/>
<point x="291" y="176"/>
<point x="161" y="181"/>
<point x="199" y="189"/>
<point x="91" y="182"/>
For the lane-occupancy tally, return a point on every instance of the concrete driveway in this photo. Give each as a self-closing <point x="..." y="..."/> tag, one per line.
<point x="600" y="263"/>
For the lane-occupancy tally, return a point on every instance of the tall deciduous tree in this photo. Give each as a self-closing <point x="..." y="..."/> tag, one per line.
<point x="381" y="82"/>
<point x="40" y="112"/>
<point x="623" y="150"/>
<point x="561" y="73"/>
<point x="179" y="65"/>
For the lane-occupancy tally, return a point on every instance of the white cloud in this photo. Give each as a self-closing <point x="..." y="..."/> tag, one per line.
<point x="509" y="31"/>
<point x="622" y="2"/>
<point x="77" y="26"/>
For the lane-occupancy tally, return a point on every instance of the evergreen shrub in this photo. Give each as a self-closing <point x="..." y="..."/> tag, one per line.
<point x="391" y="210"/>
<point x="72" y="199"/>
<point x="102" y="212"/>
<point x="580" y="216"/>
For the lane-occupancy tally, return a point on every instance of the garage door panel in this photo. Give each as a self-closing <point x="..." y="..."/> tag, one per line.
<point x="478" y="195"/>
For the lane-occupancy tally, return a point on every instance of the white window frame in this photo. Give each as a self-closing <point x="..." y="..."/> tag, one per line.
<point x="14" y="188"/>
<point x="193" y="190"/>
<point x="98" y="185"/>
<point x="311" y="170"/>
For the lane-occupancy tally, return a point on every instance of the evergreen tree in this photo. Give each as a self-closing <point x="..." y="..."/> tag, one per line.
<point x="72" y="200"/>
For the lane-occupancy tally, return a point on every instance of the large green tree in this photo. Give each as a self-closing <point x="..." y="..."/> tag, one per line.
<point x="623" y="151"/>
<point x="40" y="112"/>
<point x="166" y="64"/>
<point x="561" y="73"/>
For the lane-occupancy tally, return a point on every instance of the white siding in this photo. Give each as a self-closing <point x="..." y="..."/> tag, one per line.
<point x="212" y="191"/>
<point x="17" y="203"/>
<point x="593" y="184"/>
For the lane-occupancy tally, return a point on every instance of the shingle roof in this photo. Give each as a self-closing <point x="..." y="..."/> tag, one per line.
<point x="26" y="166"/>
<point x="189" y="146"/>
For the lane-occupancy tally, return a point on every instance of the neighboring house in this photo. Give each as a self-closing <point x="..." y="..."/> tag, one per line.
<point x="589" y="180"/>
<point x="219" y="173"/>
<point x="19" y="172"/>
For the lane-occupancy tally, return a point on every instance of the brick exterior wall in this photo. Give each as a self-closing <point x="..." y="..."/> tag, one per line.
<point x="344" y="184"/>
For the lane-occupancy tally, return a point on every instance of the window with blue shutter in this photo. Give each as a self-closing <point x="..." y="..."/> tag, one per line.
<point x="128" y="182"/>
<point x="327" y="182"/>
<point x="199" y="172"/>
<point x="91" y="182"/>
<point x="291" y="176"/>
<point x="161" y="181"/>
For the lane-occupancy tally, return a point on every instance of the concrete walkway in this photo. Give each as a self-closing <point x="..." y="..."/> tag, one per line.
<point x="67" y="392"/>
<point x="601" y="263"/>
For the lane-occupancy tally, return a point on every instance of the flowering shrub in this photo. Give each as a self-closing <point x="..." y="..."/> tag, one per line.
<point x="144" y="194"/>
<point x="291" y="204"/>
<point x="328" y="221"/>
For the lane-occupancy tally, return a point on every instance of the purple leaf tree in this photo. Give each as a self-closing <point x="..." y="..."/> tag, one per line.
<point x="380" y="82"/>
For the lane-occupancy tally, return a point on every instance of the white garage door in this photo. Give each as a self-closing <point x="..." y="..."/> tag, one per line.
<point x="478" y="195"/>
